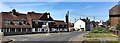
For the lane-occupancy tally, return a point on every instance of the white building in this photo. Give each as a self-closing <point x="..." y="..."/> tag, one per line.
<point x="79" y="25"/>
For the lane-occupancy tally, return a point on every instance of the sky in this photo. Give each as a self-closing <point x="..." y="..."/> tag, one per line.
<point x="58" y="9"/>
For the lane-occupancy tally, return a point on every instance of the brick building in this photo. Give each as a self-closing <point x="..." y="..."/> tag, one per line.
<point x="114" y="15"/>
<point x="14" y="22"/>
<point x="18" y="23"/>
<point x="37" y="20"/>
<point x="58" y="25"/>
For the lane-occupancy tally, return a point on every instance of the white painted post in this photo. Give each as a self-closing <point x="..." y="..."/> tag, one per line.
<point x="21" y="29"/>
<point x="26" y="29"/>
<point x="33" y="29"/>
<point x="0" y="30"/>
<point x="1" y="35"/>
<point x="15" y="30"/>
<point x="6" y="30"/>
<point x="9" y="29"/>
<point x="47" y="27"/>
<point x="40" y="29"/>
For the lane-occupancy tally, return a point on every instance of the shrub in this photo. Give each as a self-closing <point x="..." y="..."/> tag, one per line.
<point x="118" y="26"/>
<point x="100" y="30"/>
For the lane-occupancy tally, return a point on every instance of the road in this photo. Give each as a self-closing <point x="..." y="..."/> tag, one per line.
<point x="56" y="37"/>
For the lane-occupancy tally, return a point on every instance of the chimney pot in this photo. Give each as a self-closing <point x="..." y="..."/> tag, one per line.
<point x="14" y="11"/>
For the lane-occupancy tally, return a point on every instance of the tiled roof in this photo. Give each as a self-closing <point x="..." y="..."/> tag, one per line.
<point x="35" y="15"/>
<point x="40" y="16"/>
<point x="59" y="22"/>
<point x="10" y="16"/>
<point x="116" y="6"/>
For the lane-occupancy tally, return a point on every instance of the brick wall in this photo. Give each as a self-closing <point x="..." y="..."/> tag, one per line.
<point x="0" y="20"/>
<point x="114" y="15"/>
<point x="114" y="21"/>
<point x="117" y="32"/>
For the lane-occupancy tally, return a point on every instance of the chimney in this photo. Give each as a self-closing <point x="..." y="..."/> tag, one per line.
<point x="32" y="12"/>
<point x="14" y="12"/>
<point x="67" y="17"/>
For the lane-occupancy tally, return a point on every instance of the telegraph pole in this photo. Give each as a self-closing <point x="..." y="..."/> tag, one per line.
<point x="67" y="20"/>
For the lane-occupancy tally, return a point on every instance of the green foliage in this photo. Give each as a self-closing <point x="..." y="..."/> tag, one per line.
<point x="100" y="30"/>
<point x="97" y="35"/>
<point x="112" y="41"/>
<point x="91" y="41"/>
<point x="98" y="41"/>
<point x="107" y="22"/>
<point x="118" y="26"/>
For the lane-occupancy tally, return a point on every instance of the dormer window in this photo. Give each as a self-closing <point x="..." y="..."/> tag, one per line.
<point x="17" y="22"/>
<point x="25" y="22"/>
<point x="36" y="22"/>
<point x="48" y="16"/>
<point x="7" y="22"/>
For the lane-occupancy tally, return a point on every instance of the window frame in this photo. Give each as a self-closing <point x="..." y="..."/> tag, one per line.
<point x="16" y="22"/>
<point x="7" y="22"/>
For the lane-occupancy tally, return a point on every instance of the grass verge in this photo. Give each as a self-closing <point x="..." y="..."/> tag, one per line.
<point x="98" y="35"/>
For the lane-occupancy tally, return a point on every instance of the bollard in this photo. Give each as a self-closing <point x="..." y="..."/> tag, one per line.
<point x="1" y="37"/>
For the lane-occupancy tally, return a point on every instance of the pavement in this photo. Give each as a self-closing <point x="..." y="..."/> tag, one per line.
<point x="64" y="37"/>
<point x="51" y="37"/>
<point x="78" y="38"/>
<point x="4" y="39"/>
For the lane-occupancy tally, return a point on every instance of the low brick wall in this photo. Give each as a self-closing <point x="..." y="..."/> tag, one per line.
<point x="117" y="32"/>
<point x="22" y="33"/>
<point x="15" y="33"/>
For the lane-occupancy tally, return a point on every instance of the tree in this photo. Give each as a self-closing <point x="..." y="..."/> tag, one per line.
<point x="118" y="26"/>
<point x="107" y="22"/>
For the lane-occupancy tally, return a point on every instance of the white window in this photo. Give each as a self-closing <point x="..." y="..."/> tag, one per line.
<point x="7" y="21"/>
<point x="48" y="16"/>
<point x="16" y="21"/>
<point x="25" y="22"/>
<point x="36" y="22"/>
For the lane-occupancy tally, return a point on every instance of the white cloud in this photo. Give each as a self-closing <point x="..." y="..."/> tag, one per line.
<point x="28" y="4"/>
<point x="60" y="0"/>
<point x="4" y="7"/>
<point x="45" y="6"/>
<point x="62" y="12"/>
<point x="32" y="4"/>
<point x="89" y="6"/>
<point x="0" y="6"/>
<point x="32" y="0"/>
